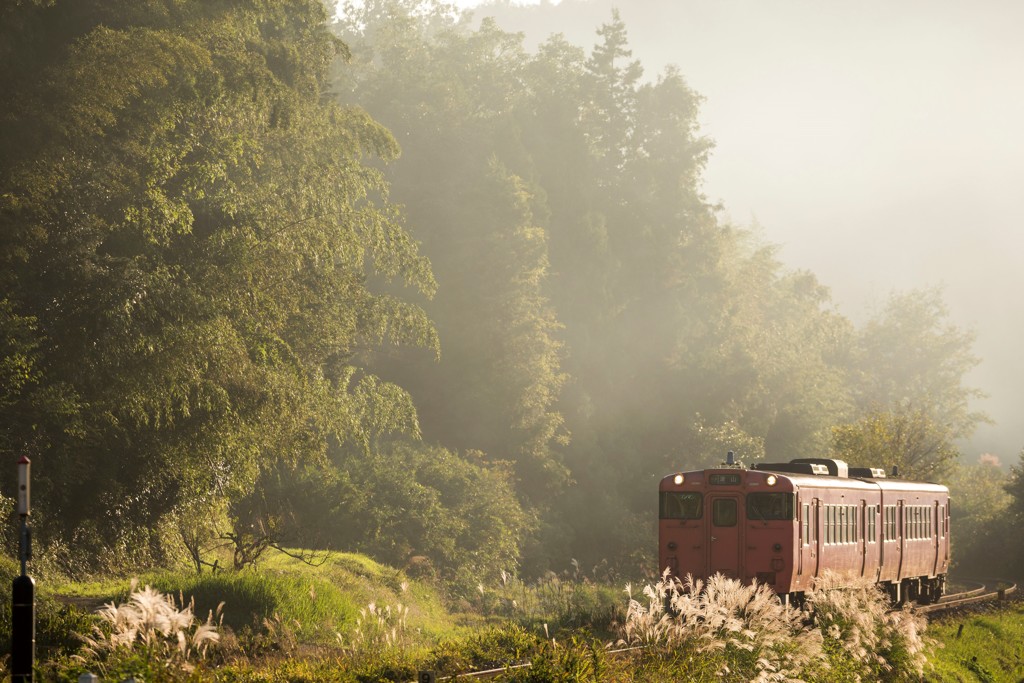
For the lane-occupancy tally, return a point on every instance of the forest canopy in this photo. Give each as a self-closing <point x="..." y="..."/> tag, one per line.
<point x="392" y="282"/>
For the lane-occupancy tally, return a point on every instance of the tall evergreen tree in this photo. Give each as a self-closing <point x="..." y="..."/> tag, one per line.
<point x="186" y="232"/>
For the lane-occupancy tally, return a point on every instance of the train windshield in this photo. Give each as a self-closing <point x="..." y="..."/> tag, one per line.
<point x="679" y="505"/>
<point x="766" y="506"/>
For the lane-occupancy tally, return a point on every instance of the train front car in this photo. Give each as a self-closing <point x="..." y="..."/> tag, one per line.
<point x="736" y="522"/>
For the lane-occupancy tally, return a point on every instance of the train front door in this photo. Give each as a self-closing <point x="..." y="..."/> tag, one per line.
<point x="724" y="535"/>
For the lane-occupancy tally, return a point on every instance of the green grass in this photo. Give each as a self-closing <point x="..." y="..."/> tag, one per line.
<point x="313" y="602"/>
<point x="989" y="648"/>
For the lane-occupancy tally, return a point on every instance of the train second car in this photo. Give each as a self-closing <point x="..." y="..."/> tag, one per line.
<point x="783" y="524"/>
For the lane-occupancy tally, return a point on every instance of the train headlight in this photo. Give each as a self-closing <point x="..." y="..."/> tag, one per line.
<point x="678" y="479"/>
<point x="771" y="480"/>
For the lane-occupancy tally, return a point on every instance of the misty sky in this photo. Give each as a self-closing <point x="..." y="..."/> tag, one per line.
<point x="879" y="143"/>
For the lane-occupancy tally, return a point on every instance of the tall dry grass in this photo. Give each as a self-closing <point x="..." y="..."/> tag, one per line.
<point x="751" y="628"/>
<point x="747" y="621"/>
<point x="152" y="625"/>
<point x="858" y="615"/>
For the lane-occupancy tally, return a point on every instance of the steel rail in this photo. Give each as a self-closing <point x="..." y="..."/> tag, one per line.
<point x="983" y="594"/>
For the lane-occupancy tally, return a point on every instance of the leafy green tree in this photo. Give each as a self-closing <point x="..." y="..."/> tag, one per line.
<point x="980" y="518"/>
<point x="1015" y="487"/>
<point x="908" y="440"/>
<point x="910" y="355"/>
<point x="187" y="228"/>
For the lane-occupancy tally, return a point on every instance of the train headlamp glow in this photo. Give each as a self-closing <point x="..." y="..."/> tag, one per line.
<point x="678" y="479"/>
<point x="771" y="480"/>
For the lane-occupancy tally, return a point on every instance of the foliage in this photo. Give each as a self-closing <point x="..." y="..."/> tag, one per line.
<point x="910" y="357"/>
<point x="908" y="441"/>
<point x="186" y="251"/>
<point x="440" y="515"/>
<point x="559" y="603"/>
<point x="981" y="519"/>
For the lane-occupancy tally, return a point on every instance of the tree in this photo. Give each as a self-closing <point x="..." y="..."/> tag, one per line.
<point x="908" y="440"/>
<point x="980" y="518"/>
<point x="911" y="355"/>
<point x="185" y="249"/>
<point x="451" y="96"/>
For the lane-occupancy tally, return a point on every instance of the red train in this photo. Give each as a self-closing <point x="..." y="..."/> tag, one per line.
<point x="783" y="524"/>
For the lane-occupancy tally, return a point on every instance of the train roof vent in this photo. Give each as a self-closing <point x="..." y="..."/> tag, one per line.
<point x="836" y="468"/>
<point x="867" y="472"/>
<point x="793" y="467"/>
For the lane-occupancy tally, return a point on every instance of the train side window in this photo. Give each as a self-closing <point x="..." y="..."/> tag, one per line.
<point x="814" y="524"/>
<point x="805" y="523"/>
<point x="843" y="524"/>
<point x="723" y="512"/>
<point x="872" y="513"/>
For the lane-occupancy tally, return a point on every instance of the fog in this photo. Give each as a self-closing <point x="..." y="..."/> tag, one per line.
<point x="879" y="144"/>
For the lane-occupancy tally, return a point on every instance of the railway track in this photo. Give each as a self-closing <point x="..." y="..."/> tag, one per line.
<point x="983" y="591"/>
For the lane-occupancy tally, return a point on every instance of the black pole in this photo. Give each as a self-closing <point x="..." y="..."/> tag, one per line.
<point x="23" y="603"/>
<point x="23" y="629"/>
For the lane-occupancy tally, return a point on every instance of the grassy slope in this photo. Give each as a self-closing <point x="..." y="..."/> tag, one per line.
<point x="315" y="602"/>
<point x="989" y="649"/>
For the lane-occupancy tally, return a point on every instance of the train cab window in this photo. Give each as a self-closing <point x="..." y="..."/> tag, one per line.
<point x="681" y="505"/>
<point x="769" y="506"/>
<point x="723" y="512"/>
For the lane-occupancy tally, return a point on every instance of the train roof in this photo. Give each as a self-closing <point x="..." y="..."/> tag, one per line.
<point x="829" y="473"/>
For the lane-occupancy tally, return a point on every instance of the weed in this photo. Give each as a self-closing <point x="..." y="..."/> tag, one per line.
<point x="152" y="628"/>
